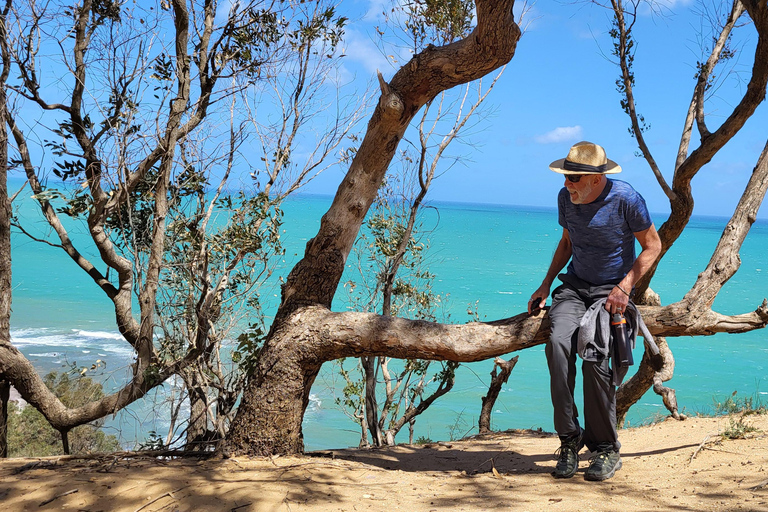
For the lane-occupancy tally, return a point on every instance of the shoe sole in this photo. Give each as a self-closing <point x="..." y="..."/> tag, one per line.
<point x="600" y="478"/>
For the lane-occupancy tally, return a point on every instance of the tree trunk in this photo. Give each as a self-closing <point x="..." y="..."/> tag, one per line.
<point x="5" y="395"/>
<point x="371" y="406"/>
<point x="5" y="240"/>
<point x="271" y="411"/>
<point x="65" y="441"/>
<point x="197" y="429"/>
<point x="497" y="380"/>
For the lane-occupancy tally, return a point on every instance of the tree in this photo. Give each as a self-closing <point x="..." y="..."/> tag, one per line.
<point x="290" y="89"/>
<point x="392" y="277"/>
<point x="5" y="236"/>
<point x="301" y="339"/>
<point x="402" y="283"/>
<point x="139" y="129"/>
<point x="307" y="333"/>
<point x="697" y="303"/>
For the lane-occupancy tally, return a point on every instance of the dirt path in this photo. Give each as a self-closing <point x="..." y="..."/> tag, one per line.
<point x="504" y="471"/>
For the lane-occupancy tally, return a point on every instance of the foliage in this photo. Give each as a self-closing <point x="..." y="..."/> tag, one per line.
<point x="441" y="21"/>
<point x="739" y="405"/>
<point x="153" y="442"/>
<point x="353" y="395"/>
<point x="375" y="248"/>
<point x="30" y="435"/>
<point x="738" y="429"/>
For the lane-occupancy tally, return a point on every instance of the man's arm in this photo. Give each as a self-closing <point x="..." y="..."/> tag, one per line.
<point x="559" y="259"/>
<point x="651" y="248"/>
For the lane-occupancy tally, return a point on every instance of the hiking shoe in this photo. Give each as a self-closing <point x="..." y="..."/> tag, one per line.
<point x="567" y="458"/>
<point x="603" y="465"/>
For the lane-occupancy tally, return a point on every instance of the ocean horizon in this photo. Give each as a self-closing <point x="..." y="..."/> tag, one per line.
<point x="482" y="255"/>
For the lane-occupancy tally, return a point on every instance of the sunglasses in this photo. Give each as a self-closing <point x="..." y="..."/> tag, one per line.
<point x="574" y="178"/>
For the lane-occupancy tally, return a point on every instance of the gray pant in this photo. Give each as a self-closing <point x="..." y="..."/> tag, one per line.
<point x="569" y="303"/>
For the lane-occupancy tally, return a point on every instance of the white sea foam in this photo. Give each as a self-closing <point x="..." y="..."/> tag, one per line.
<point x="314" y="403"/>
<point x="67" y="341"/>
<point x="99" y="334"/>
<point x="40" y="338"/>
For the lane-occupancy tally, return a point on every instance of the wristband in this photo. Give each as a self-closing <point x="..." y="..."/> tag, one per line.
<point x="623" y="290"/>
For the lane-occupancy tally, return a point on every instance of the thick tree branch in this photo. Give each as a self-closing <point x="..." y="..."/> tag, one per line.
<point x="725" y="260"/>
<point x="16" y="368"/>
<point x="490" y="45"/>
<point x="347" y="334"/>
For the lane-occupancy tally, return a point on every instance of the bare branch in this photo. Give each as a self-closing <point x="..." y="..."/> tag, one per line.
<point x="706" y="69"/>
<point x="725" y="259"/>
<point x="625" y="52"/>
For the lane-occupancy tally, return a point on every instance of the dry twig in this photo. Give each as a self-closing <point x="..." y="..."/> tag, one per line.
<point x="698" y="449"/>
<point x="169" y="493"/>
<point x="73" y="491"/>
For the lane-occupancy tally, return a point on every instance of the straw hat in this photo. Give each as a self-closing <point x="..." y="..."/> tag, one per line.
<point x="585" y="158"/>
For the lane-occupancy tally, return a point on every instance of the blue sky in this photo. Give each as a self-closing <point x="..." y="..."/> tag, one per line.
<point x="559" y="89"/>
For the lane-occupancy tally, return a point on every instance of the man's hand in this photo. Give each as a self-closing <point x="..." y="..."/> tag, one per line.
<point x="651" y="243"/>
<point x="617" y="301"/>
<point x="539" y="299"/>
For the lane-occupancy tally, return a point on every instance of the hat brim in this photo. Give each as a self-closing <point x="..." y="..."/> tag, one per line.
<point x="611" y="167"/>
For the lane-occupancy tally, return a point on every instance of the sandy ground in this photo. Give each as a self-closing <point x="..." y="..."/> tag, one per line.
<point x="502" y="471"/>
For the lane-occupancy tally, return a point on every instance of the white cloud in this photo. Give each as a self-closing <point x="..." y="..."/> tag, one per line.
<point x="671" y="4"/>
<point x="560" y="134"/>
<point x="376" y="10"/>
<point x="359" y="49"/>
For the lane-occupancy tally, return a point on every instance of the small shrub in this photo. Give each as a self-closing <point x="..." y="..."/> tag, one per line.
<point x="738" y="405"/>
<point x="738" y="429"/>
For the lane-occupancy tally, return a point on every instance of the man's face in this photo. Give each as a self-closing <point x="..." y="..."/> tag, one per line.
<point x="580" y="190"/>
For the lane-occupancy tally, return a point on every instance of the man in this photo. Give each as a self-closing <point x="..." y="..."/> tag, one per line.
<point x="601" y="218"/>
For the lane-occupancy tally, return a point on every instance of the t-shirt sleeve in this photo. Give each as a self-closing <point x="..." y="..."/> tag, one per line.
<point x="561" y="208"/>
<point x="637" y="214"/>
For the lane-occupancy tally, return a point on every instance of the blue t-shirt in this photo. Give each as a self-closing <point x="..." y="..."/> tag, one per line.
<point x="602" y="232"/>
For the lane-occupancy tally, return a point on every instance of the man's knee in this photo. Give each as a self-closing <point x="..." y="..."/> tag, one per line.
<point x="599" y="376"/>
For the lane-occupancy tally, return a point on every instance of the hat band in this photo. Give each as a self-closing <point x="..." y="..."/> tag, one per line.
<point x="586" y="168"/>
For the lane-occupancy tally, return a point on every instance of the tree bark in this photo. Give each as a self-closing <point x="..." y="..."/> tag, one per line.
<point x="5" y="395"/>
<point x="197" y="429"/>
<point x="497" y="380"/>
<point x="369" y="364"/>
<point x="5" y="236"/>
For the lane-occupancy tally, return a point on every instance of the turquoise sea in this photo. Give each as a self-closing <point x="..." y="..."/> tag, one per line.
<point x="491" y="255"/>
